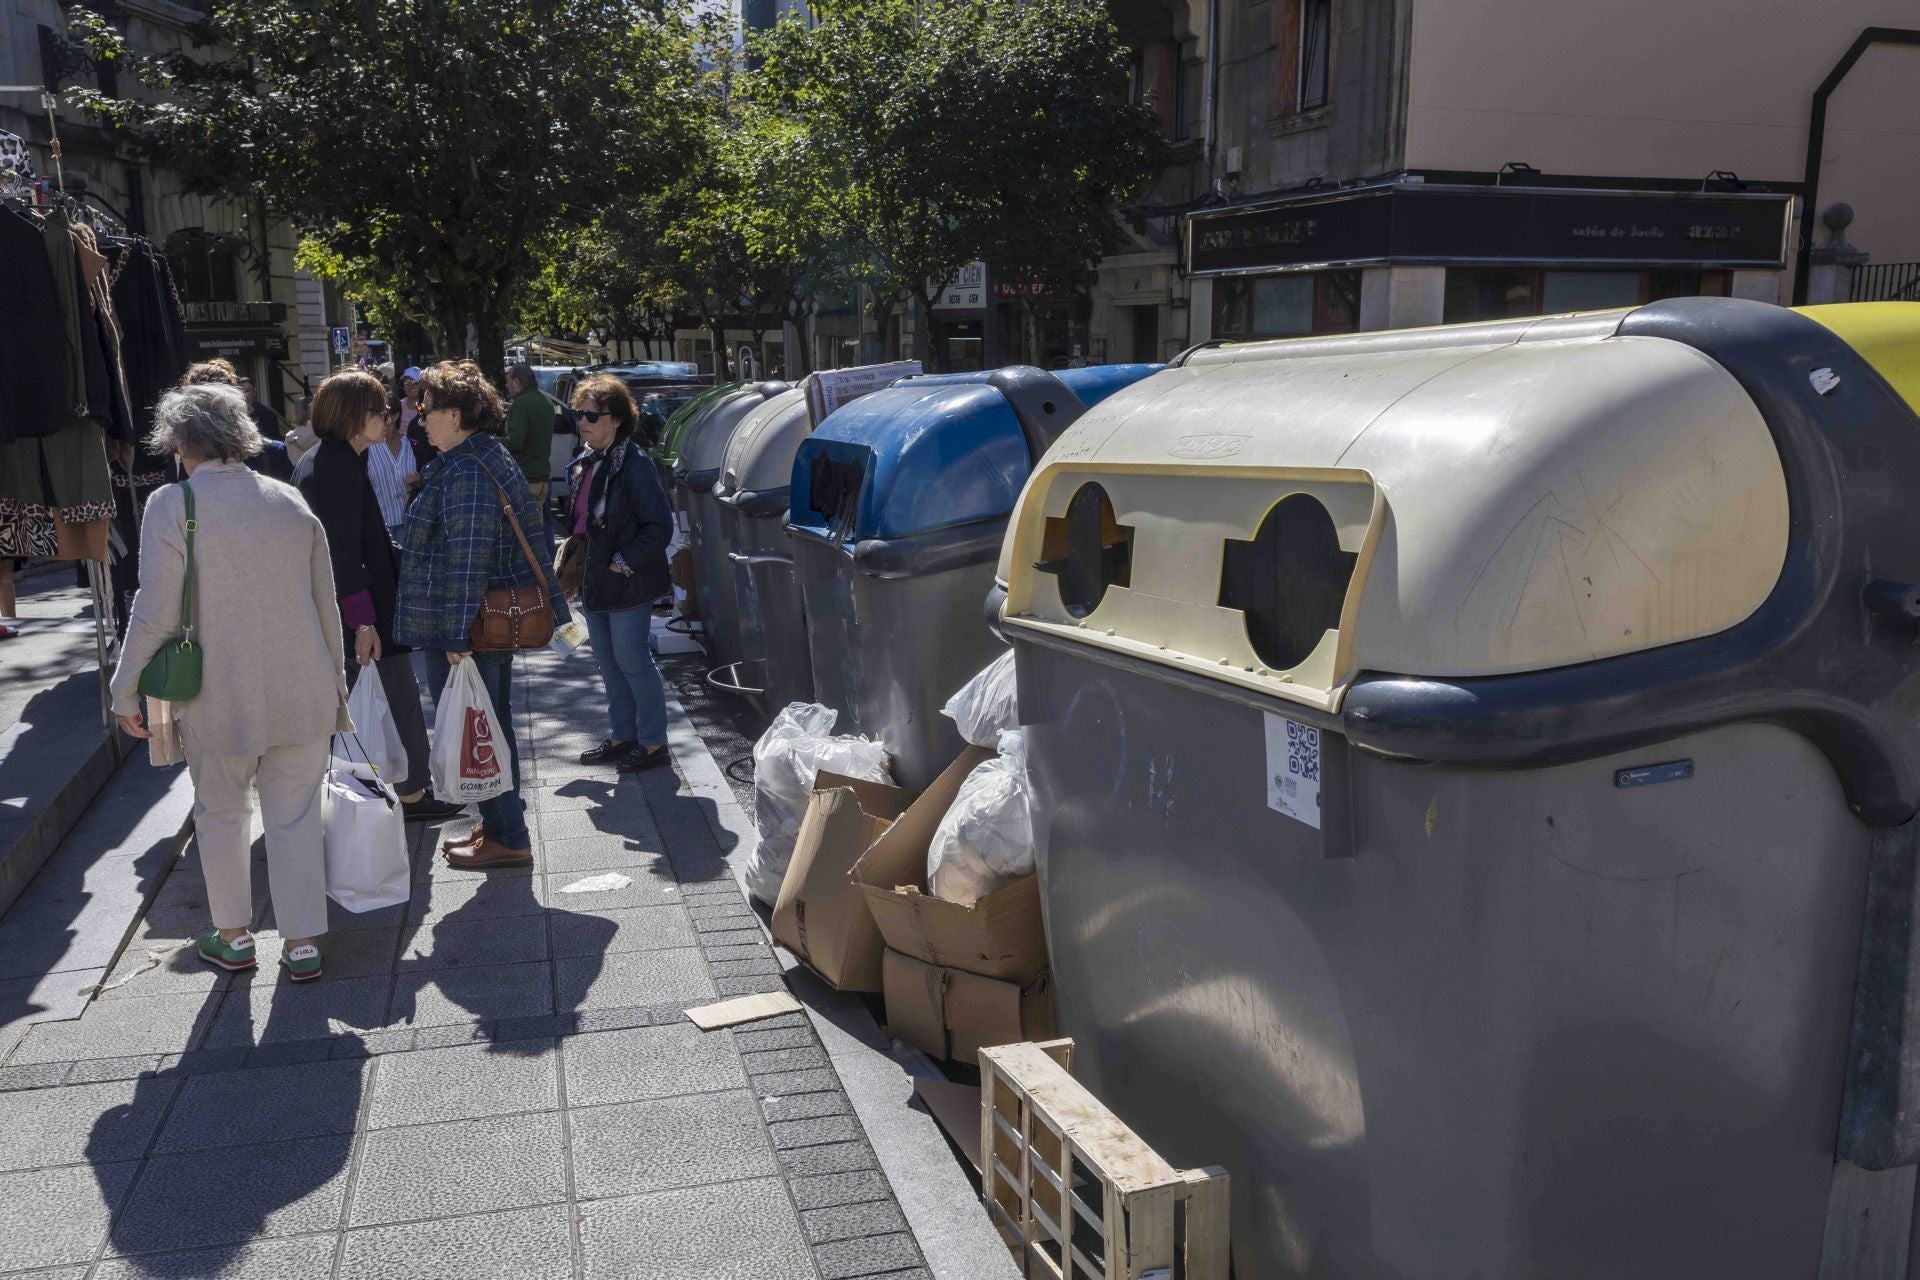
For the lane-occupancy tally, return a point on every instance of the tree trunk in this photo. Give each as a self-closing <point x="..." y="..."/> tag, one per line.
<point x="722" y="367"/>
<point x="490" y="342"/>
<point x="923" y="333"/>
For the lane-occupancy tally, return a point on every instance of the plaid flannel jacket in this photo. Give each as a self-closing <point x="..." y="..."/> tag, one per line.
<point x="457" y="543"/>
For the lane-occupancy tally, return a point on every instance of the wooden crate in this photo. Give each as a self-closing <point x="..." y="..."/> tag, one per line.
<point x="1075" y="1193"/>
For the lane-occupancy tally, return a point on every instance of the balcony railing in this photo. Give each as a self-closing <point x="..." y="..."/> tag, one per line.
<point x="1885" y="282"/>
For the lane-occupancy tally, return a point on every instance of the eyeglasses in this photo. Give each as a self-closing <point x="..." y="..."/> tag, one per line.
<point x="589" y="416"/>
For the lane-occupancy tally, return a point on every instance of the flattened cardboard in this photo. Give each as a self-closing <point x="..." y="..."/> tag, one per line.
<point x="916" y="1003"/>
<point x="956" y="1108"/>
<point x="953" y="1015"/>
<point x="1000" y="936"/>
<point x="821" y="915"/>
<point x="729" y="1013"/>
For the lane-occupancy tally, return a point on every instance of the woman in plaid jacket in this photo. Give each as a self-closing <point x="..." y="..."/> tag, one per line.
<point x="457" y="543"/>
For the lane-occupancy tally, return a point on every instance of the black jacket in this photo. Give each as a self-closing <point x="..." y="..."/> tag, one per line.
<point x="632" y="520"/>
<point x="339" y="491"/>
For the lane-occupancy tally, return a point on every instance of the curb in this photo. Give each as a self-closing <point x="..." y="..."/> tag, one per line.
<point x="31" y="846"/>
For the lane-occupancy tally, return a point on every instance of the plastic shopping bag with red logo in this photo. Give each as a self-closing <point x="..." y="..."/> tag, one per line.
<point x="470" y="756"/>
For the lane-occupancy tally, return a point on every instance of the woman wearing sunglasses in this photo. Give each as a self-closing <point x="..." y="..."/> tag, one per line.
<point x="619" y="510"/>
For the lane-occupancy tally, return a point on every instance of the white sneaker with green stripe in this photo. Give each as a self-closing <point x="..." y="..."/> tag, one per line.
<point x="302" y="963"/>
<point x="232" y="954"/>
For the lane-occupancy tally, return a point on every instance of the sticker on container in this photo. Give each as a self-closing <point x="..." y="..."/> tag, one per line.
<point x="1293" y="769"/>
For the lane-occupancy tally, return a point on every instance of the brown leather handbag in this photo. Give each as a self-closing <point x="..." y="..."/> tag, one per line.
<point x="513" y="618"/>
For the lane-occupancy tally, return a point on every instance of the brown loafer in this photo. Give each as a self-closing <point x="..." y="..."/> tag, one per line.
<point x="470" y="840"/>
<point x="490" y="855"/>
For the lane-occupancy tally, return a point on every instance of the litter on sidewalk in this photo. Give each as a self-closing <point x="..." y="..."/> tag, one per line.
<point x="605" y="882"/>
<point x="728" y="1013"/>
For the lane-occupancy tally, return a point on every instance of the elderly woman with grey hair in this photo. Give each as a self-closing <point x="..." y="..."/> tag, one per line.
<point x="272" y="693"/>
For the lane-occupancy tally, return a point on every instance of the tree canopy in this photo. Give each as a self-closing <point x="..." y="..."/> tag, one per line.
<point x="599" y="165"/>
<point x="422" y="144"/>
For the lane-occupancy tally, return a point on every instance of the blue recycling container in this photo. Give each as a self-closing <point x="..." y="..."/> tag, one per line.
<point x="898" y="504"/>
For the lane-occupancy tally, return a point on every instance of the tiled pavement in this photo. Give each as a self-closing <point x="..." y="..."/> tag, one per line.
<point x="493" y="1080"/>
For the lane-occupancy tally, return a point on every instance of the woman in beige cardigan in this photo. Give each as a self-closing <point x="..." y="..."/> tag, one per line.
<point x="272" y="693"/>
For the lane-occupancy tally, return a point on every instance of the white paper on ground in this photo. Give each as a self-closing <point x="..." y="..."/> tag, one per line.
<point x="1293" y="769"/>
<point x="667" y="640"/>
<point x="602" y="883"/>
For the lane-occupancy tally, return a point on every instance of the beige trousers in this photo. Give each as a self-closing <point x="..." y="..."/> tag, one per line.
<point x="289" y="779"/>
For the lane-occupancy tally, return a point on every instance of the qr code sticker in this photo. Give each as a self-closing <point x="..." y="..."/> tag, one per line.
<point x="1293" y="769"/>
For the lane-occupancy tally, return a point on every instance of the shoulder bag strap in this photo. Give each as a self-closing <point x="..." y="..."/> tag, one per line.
<point x="539" y="576"/>
<point x="186" y="592"/>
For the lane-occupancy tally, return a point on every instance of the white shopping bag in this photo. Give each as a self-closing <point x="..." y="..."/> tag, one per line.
<point x="470" y="756"/>
<point x="376" y="736"/>
<point x="366" y="839"/>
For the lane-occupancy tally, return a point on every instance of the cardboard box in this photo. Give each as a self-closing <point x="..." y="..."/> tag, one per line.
<point x="953" y="1014"/>
<point x="1000" y="936"/>
<point x="821" y="915"/>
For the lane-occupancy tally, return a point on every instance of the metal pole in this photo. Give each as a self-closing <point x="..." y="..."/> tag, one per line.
<point x="1817" y="141"/>
<point x="102" y="611"/>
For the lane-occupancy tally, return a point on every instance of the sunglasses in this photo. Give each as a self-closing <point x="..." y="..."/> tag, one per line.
<point x="589" y="416"/>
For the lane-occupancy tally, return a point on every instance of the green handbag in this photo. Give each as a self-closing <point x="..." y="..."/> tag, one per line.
<point x="173" y="674"/>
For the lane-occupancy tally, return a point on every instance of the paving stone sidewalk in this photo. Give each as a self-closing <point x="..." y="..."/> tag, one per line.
<point x="493" y="1080"/>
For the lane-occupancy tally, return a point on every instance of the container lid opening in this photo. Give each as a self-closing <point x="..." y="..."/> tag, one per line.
<point x="1088" y="550"/>
<point x="1290" y="581"/>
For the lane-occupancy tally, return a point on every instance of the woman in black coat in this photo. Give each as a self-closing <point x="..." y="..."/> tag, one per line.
<point x="619" y="511"/>
<point x="349" y="415"/>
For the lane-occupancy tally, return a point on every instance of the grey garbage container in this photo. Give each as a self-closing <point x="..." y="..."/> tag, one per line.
<point x="751" y="498"/>
<point x="703" y="447"/>
<point x="899" y="503"/>
<point x="1473" y="773"/>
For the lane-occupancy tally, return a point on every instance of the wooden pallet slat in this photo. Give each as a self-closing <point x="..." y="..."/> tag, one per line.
<point x="1052" y="1146"/>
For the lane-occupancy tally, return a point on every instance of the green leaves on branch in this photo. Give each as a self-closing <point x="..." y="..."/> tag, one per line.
<point x="423" y="144"/>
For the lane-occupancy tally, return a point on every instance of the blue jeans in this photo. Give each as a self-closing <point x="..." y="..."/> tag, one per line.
<point x="636" y="701"/>
<point x="503" y="818"/>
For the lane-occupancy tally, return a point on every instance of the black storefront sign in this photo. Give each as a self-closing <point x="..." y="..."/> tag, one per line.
<point x="1417" y="223"/>
<point x="208" y="343"/>
<point x="236" y="329"/>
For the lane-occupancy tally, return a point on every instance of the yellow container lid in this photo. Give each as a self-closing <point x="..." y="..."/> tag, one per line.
<point x="1887" y="336"/>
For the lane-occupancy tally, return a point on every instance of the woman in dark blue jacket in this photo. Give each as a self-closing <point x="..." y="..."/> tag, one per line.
<point x="618" y="508"/>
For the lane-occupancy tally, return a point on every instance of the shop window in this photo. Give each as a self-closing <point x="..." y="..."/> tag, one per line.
<point x="1286" y="306"/>
<point x="1304" y="41"/>
<point x="1290" y="581"/>
<point x="1588" y="290"/>
<point x="1490" y="293"/>
<point x="1499" y="293"/>
<point x="1688" y="284"/>
<point x="1088" y="550"/>
<point x="206" y="264"/>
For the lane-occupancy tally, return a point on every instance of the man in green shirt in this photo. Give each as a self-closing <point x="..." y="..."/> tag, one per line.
<point x="529" y="435"/>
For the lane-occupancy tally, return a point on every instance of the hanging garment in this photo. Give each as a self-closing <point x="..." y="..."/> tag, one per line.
<point x="33" y="379"/>
<point x="112" y="410"/>
<point x="14" y="154"/>
<point x="56" y="235"/>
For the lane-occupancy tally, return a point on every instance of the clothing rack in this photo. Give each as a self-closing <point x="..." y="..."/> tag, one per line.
<point x="35" y="195"/>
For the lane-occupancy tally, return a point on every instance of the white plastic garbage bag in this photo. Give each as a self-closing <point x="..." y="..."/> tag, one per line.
<point x="470" y="756"/>
<point x="985" y="841"/>
<point x="376" y="738"/>
<point x="786" y="760"/>
<point x="366" y="839"/>
<point x="986" y="704"/>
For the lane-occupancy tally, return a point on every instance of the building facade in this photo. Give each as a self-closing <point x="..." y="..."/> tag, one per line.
<point x="233" y="264"/>
<point x="1364" y="164"/>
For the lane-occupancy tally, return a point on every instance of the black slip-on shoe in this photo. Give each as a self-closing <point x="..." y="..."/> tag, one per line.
<point x="641" y="759"/>
<point x="431" y="809"/>
<point x="608" y="752"/>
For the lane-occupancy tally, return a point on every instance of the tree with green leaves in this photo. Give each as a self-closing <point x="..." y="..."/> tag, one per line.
<point x="422" y="145"/>
<point x="956" y="130"/>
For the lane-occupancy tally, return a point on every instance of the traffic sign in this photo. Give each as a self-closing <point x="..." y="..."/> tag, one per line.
<point x="340" y="340"/>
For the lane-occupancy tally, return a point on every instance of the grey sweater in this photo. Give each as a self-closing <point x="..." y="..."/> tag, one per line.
<point x="264" y="613"/>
